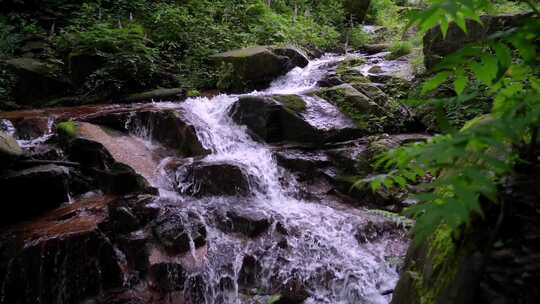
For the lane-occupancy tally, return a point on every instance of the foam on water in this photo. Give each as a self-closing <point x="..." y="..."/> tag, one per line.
<point x="323" y="251"/>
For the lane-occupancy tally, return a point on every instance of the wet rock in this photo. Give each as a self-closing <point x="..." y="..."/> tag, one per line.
<point x="435" y="47"/>
<point x="122" y="179"/>
<point x="254" y="68"/>
<point x="167" y="277"/>
<point x="369" y="115"/>
<point x="272" y="121"/>
<point x="37" y="80"/>
<point x="202" y="179"/>
<point x="135" y="248"/>
<point x="373" y="231"/>
<point x="171" y="129"/>
<point x="31" y="128"/>
<point x="196" y="290"/>
<point x="62" y="257"/>
<point x="89" y="153"/>
<point x="9" y="149"/>
<point x="293" y="292"/>
<point x="167" y="127"/>
<point x="175" y="231"/>
<point x="49" y="189"/>
<point x="249" y="272"/>
<point x="97" y="162"/>
<point x="248" y="222"/>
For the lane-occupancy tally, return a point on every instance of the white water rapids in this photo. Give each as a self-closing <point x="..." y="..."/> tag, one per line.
<point x="322" y="251"/>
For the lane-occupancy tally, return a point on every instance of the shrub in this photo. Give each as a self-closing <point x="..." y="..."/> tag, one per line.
<point x="400" y="48"/>
<point x="358" y="37"/>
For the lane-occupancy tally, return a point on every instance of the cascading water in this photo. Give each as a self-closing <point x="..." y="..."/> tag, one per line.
<point x="321" y="249"/>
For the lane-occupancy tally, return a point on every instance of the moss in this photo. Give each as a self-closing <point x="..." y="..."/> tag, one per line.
<point x="350" y="102"/>
<point x="274" y="299"/>
<point x="292" y="102"/>
<point x="439" y="268"/>
<point x="68" y="129"/>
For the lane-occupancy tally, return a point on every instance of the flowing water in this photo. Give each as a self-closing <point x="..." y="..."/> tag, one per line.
<point x="318" y="247"/>
<point x="321" y="248"/>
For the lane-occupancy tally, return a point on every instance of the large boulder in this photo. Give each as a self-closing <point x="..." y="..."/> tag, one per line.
<point x="167" y="127"/>
<point x="436" y="47"/>
<point x="63" y="257"/>
<point x="32" y="191"/>
<point x="248" y="222"/>
<point x="175" y="231"/>
<point x="90" y="146"/>
<point x="202" y="179"/>
<point x="272" y="121"/>
<point x="37" y="80"/>
<point x="254" y="68"/>
<point x="371" y="111"/>
<point x="9" y="149"/>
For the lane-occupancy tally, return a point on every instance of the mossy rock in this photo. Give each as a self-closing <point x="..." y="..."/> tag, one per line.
<point x="37" y="80"/>
<point x="9" y="149"/>
<point x="440" y="269"/>
<point x="357" y="106"/>
<point x="253" y="68"/>
<point x="292" y="102"/>
<point x="68" y="129"/>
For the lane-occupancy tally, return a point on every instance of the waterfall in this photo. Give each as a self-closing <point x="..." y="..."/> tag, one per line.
<point x="322" y="250"/>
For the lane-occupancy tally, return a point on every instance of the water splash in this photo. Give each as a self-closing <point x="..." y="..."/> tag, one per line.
<point x="321" y="249"/>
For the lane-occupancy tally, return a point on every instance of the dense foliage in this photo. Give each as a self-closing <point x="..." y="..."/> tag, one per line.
<point x="467" y="165"/>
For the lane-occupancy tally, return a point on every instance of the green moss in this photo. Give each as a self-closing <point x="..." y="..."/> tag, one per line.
<point x="68" y="129"/>
<point x="274" y="299"/>
<point x="399" y="49"/>
<point x="292" y="102"/>
<point x="349" y="102"/>
<point x="441" y="264"/>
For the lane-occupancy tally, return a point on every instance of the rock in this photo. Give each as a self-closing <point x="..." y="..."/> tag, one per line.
<point x="369" y="115"/>
<point x="272" y="121"/>
<point x="373" y="231"/>
<point x="9" y="149"/>
<point x="31" y="127"/>
<point x="248" y="222"/>
<point x="122" y="179"/>
<point x="175" y="231"/>
<point x="254" y="68"/>
<point x="62" y="257"/>
<point x="171" y="129"/>
<point x="372" y="49"/>
<point x="167" y="277"/>
<point x="249" y="272"/>
<point x="37" y="80"/>
<point x="356" y="9"/>
<point x="31" y="192"/>
<point x="167" y="127"/>
<point x="174" y="94"/>
<point x="435" y="47"/>
<point x="83" y="64"/>
<point x="201" y="179"/>
<point x="293" y="292"/>
<point x="107" y="174"/>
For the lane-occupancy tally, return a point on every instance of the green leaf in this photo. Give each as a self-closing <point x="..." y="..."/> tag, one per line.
<point x="435" y="82"/>
<point x="460" y="83"/>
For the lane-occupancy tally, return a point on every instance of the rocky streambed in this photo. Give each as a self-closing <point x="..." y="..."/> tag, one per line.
<point x="230" y="199"/>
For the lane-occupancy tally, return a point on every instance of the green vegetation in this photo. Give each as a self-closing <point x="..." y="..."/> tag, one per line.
<point x="292" y="102"/>
<point x="68" y="129"/>
<point x="467" y="164"/>
<point x="399" y="49"/>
